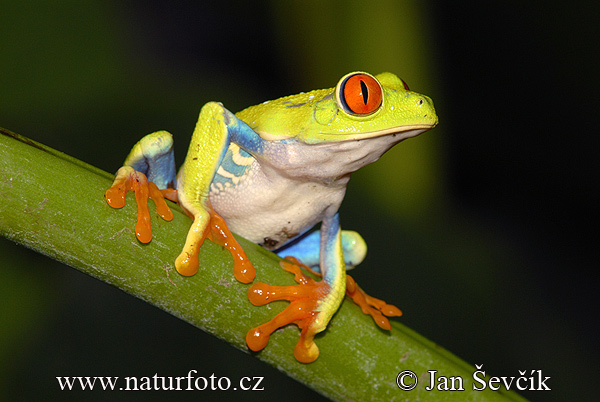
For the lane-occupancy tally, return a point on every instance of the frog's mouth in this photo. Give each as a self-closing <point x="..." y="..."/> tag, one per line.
<point x="402" y="131"/>
<point x="398" y="133"/>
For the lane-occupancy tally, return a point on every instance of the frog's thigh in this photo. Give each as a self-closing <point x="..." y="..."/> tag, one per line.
<point x="153" y="155"/>
<point x="307" y="249"/>
<point x="207" y="148"/>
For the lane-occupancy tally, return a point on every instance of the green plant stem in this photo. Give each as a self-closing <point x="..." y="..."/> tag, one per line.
<point x="55" y="205"/>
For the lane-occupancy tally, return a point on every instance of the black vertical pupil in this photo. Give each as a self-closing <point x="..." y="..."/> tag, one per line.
<point x="365" y="91"/>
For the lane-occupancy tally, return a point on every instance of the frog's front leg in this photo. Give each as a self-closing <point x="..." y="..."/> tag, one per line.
<point x="215" y="130"/>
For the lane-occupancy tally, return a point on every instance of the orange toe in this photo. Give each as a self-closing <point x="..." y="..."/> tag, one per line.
<point x="243" y="270"/>
<point x="372" y="306"/>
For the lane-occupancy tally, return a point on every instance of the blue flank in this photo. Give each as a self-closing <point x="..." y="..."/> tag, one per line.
<point x="307" y="249"/>
<point x="230" y="166"/>
<point x="242" y="135"/>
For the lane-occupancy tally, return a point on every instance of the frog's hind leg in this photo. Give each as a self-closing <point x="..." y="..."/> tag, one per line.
<point x="149" y="171"/>
<point x="312" y="303"/>
<point x="306" y="253"/>
<point x="153" y="155"/>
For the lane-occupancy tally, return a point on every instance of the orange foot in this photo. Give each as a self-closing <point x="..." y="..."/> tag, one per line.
<point x="304" y="311"/>
<point x="376" y="308"/>
<point x="128" y="179"/>
<point x="372" y="306"/>
<point x="216" y="231"/>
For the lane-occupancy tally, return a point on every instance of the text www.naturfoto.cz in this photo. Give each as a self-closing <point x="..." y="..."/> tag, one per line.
<point x="160" y="383"/>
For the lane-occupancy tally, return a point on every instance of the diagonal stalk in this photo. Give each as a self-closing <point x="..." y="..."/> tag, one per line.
<point x="54" y="204"/>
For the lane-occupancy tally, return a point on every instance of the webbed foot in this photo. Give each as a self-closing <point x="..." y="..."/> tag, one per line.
<point x="312" y="303"/>
<point x="128" y="179"/>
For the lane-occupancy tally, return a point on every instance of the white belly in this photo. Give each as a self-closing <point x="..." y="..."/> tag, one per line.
<point x="270" y="209"/>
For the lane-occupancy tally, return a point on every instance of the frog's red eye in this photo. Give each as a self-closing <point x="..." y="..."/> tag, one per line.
<point x="359" y="94"/>
<point x="405" y="85"/>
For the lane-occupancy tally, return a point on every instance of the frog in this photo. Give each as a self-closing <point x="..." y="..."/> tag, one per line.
<point x="271" y="173"/>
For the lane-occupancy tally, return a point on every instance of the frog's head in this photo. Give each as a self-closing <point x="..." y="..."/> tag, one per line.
<point x="361" y="106"/>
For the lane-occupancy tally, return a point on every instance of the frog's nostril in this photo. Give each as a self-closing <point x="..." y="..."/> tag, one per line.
<point x="420" y="102"/>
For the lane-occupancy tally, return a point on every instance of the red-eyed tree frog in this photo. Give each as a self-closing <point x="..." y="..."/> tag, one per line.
<point x="271" y="173"/>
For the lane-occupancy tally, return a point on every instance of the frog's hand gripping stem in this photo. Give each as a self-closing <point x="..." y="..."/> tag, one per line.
<point x="153" y="156"/>
<point x="369" y="305"/>
<point x="311" y="306"/>
<point x="215" y="130"/>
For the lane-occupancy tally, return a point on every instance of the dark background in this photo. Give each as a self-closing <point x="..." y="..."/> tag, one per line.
<point x="484" y="231"/>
